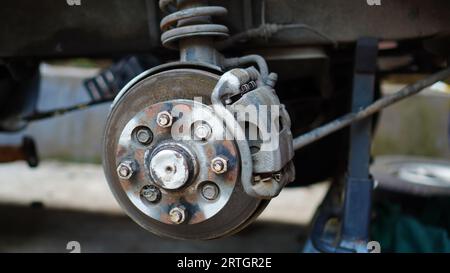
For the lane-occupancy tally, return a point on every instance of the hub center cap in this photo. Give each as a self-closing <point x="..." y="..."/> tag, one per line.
<point x="169" y="169"/>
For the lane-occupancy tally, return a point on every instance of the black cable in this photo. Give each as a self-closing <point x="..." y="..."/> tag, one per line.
<point x="268" y="30"/>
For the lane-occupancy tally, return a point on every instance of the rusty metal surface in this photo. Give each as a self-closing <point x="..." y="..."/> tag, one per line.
<point x="200" y="152"/>
<point x="165" y="86"/>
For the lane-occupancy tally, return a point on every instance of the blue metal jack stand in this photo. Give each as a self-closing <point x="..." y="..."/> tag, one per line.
<point x="351" y="231"/>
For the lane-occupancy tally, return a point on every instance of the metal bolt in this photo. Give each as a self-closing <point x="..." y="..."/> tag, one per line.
<point x="219" y="165"/>
<point x="271" y="79"/>
<point x="203" y="131"/>
<point x="144" y="135"/>
<point x="210" y="191"/>
<point x="177" y="215"/>
<point x="151" y="193"/>
<point x="164" y="119"/>
<point x="125" y="170"/>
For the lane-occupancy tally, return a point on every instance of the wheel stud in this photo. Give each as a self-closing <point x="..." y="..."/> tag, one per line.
<point x="125" y="169"/>
<point x="164" y="119"/>
<point x="219" y="165"/>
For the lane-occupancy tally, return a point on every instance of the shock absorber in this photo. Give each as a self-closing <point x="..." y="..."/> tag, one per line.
<point x="190" y="29"/>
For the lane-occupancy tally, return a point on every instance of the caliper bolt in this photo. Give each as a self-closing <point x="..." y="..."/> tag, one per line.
<point x="202" y="131"/>
<point x="151" y="193"/>
<point x="125" y="169"/>
<point x="210" y="191"/>
<point x="164" y="119"/>
<point x="177" y="215"/>
<point x="219" y="165"/>
<point x="144" y="135"/>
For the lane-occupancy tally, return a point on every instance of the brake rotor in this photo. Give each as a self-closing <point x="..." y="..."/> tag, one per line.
<point x="174" y="188"/>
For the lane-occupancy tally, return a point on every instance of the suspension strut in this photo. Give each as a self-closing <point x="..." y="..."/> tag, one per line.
<point x="191" y="30"/>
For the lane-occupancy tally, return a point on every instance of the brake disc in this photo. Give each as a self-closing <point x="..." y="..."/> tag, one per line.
<point x="164" y="164"/>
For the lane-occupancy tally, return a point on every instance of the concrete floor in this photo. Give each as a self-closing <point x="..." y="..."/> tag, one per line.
<point x="43" y="209"/>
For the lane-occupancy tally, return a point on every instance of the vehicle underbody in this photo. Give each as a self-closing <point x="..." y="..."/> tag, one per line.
<point x="185" y="152"/>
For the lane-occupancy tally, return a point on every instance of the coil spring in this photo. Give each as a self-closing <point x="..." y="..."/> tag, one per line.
<point x="193" y="20"/>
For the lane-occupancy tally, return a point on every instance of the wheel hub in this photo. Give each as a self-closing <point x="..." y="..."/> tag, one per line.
<point x="172" y="145"/>
<point x="170" y="169"/>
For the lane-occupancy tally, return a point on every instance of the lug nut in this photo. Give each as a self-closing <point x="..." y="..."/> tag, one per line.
<point x="164" y="119"/>
<point x="210" y="191"/>
<point x="177" y="215"/>
<point x="144" y="135"/>
<point x="219" y="165"/>
<point x="125" y="170"/>
<point x="151" y="193"/>
<point x="202" y="131"/>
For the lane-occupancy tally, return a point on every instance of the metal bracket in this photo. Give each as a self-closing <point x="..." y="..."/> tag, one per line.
<point x="354" y="214"/>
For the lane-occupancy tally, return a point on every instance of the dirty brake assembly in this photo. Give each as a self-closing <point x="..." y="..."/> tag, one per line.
<point x="195" y="149"/>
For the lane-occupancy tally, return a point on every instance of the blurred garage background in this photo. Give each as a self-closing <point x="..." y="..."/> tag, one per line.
<point x="67" y="198"/>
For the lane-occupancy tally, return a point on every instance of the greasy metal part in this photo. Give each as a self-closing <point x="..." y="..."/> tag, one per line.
<point x="164" y="119"/>
<point x="175" y="163"/>
<point x="364" y="112"/>
<point x="275" y="151"/>
<point x="191" y="30"/>
<point x="229" y="85"/>
<point x="193" y="169"/>
<point x="171" y="165"/>
<point x="219" y="165"/>
<point x="27" y="152"/>
<point x="125" y="170"/>
<point x="208" y="212"/>
<point x="272" y="154"/>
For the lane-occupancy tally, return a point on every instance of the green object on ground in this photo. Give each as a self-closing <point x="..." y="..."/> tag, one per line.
<point x="427" y="231"/>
